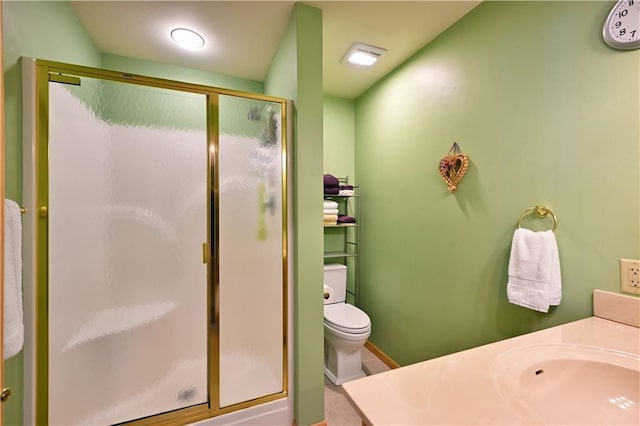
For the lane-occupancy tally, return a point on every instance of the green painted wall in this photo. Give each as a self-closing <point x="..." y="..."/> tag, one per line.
<point x="296" y="73"/>
<point x="172" y="72"/>
<point x="339" y="137"/>
<point x="548" y="114"/>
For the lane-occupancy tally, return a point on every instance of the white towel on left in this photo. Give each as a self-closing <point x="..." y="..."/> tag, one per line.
<point x="13" y="320"/>
<point x="534" y="270"/>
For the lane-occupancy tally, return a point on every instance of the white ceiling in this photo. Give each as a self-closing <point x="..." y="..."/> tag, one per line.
<point x="242" y="36"/>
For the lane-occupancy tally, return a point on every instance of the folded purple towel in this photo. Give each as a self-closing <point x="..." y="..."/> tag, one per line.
<point x="331" y="181"/>
<point x="346" y="219"/>
<point x="331" y="191"/>
<point x="349" y="187"/>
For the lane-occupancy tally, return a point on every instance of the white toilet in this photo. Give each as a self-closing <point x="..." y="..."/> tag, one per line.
<point x="346" y="329"/>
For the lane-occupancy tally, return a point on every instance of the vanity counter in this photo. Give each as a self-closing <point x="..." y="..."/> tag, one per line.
<point x="464" y="387"/>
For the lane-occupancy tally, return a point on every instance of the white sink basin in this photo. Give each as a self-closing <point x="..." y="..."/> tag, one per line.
<point x="570" y="384"/>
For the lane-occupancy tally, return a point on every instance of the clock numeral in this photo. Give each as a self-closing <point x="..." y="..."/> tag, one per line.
<point x="633" y="33"/>
<point x="623" y="31"/>
<point x="618" y="24"/>
<point x="631" y="3"/>
<point x="623" y="13"/>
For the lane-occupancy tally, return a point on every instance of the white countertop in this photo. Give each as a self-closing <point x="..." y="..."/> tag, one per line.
<point x="459" y="388"/>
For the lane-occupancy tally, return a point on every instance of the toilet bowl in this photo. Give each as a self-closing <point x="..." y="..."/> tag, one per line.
<point x="346" y="329"/>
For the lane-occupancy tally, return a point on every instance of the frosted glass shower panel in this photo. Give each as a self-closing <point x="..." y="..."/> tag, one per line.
<point x="128" y="210"/>
<point x="250" y="206"/>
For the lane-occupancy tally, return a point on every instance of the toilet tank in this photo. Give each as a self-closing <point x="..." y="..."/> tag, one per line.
<point x="335" y="277"/>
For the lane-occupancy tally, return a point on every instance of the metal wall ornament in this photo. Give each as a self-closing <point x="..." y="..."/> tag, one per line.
<point x="453" y="167"/>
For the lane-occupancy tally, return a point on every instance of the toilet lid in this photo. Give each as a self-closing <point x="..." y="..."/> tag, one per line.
<point x="346" y="317"/>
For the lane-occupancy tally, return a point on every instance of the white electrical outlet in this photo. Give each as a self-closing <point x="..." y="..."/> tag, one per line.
<point x="630" y="276"/>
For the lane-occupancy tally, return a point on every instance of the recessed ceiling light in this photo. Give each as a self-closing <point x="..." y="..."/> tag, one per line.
<point x="363" y="55"/>
<point x="187" y="39"/>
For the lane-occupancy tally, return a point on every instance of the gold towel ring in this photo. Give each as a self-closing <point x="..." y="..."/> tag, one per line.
<point x="541" y="211"/>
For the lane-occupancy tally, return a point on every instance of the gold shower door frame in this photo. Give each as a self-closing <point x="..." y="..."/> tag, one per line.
<point x="63" y="71"/>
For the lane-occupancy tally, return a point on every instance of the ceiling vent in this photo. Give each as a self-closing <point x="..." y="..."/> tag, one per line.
<point x="362" y="55"/>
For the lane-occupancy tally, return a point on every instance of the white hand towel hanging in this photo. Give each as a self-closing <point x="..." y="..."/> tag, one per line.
<point x="13" y="321"/>
<point x="534" y="270"/>
<point x="555" y="283"/>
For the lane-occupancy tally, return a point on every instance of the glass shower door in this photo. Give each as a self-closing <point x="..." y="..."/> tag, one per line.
<point x="127" y="286"/>
<point x="252" y="251"/>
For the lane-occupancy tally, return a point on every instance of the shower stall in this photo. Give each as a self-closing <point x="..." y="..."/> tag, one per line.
<point x="158" y="257"/>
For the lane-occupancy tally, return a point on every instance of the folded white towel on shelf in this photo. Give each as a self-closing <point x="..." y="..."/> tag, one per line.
<point x="534" y="270"/>
<point x="13" y="317"/>
<point x="330" y="211"/>
<point x="330" y="217"/>
<point x="346" y="192"/>
<point x="328" y="204"/>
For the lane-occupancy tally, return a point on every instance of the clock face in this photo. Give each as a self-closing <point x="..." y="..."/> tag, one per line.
<point x="622" y="27"/>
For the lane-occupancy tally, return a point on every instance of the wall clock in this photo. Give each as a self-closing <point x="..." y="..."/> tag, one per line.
<point x="621" y="29"/>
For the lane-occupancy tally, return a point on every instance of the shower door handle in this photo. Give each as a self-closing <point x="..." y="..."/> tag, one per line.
<point x="6" y="394"/>
<point x="205" y="253"/>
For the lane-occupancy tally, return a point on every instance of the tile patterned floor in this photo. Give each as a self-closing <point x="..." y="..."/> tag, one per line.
<point x="337" y="410"/>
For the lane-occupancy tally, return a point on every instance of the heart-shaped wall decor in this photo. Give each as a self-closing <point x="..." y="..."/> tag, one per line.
<point x="453" y="167"/>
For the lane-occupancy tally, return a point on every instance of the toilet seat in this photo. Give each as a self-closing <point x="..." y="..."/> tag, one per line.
<point x="346" y="318"/>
